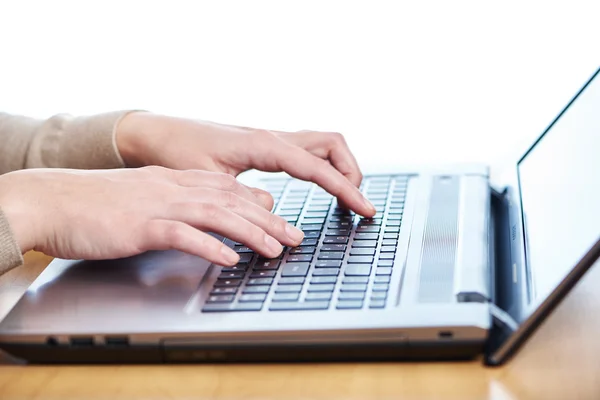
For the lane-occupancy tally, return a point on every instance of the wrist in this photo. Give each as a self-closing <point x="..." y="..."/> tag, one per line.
<point x="133" y="138"/>
<point x="15" y="213"/>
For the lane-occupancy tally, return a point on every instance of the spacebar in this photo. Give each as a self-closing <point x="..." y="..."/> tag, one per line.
<point x="292" y="306"/>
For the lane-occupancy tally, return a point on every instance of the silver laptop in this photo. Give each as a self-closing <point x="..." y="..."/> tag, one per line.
<point x="454" y="265"/>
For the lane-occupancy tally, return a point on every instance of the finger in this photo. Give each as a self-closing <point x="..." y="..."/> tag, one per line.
<point x="330" y="146"/>
<point x="301" y="164"/>
<point x="176" y="235"/>
<point x="215" y="218"/>
<point x="272" y="224"/>
<point x="214" y="180"/>
<point x="265" y="197"/>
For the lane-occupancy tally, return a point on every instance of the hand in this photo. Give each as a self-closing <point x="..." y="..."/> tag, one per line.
<point x="119" y="213"/>
<point x="319" y="157"/>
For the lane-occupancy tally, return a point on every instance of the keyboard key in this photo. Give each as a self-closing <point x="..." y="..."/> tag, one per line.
<point x="224" y="290"/>
<point x="256" y="289"/>
<point x="231" y="275"/>
<point x="378" y="295"/>
<point x="318" y="296"/>
<point x="303" y="250"/>
<point x="354" y="287"/>
<point x="364" y="243"/>
<point x="253" y="297"/>
<point x="263" y="274"/>
<point x="286" y="296"/>
<point x="299" y="258"/>
<point x="366" y="236"/>
<point x="293" y="207"/>
<point x="318" y="280"/>
<point x="382" y="279"/>
<point x="318" y="208"/>
<point x="362" y="252"/>
<point x="242" y="249"/>
<point x="234" y="268"/>
<point x="326" y="272"/>
<point x="349" y="305"/>
<point x="393" y="223"/>
<point x="228" y="282"/>
<point x="245" y="258"/>
<point x="291" y="280"/>
<point x="373" y="228"/>
<point x="351" y="296"/>
<point x="387" y="249"/>
<point x="383" y="271"/>
<point x="313" y="220"/>
<point x="338" y="218"/>
<point x="333" y="247"/>
<point x="390" y="236"/>
<point x="329" y="287"/>
<point x="385" y="263"/>
<point x="377" y="304"/>
<point x="311" y="227"/>
<point x="338" y="232"/>
<point x="267" y="265"/>
<point x="312" y="235"/>
<point x="335" y="240"/>
<point x="393" y="217"/>
<point x="360" y="260"/>
<point x="312" y="214"/>
<point x="328" y="264"/>
<point x="220" y="298"/>
<point x="386" y="256"/>
<point x="340" y="225"/>
<point x="291" y="306"/>
<point x="392" y="229"/>
<point x="220" y="307"/>
<point x="259" y="281"/>
<point x="358" y="270"/>
<point x="309" y="242"/>
<point x="288" y="288"/>
<point x="380" y="287"/>
<point x="355" y="279"/>
<point x="295" y="269"/>
<point x="330" y="256"/>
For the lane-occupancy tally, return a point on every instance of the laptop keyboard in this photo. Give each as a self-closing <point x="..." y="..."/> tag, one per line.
<point x="345" y="261"/>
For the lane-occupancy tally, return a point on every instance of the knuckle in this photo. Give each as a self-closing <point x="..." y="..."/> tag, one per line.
<point x="337" y="138"/>
<point x="210" y="211"/>
<point x="228" y="182"/>
<point x="230" y="200"/>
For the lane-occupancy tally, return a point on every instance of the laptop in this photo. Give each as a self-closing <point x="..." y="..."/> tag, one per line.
<point x="457" y="264"/>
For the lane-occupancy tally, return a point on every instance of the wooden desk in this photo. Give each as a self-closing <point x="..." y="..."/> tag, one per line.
<point x="561" y="361"/>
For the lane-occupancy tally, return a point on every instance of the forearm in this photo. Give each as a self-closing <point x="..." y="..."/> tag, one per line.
<point x="61" y="141"/>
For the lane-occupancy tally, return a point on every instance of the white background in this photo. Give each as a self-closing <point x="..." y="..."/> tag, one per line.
<point x="414" y="81"/>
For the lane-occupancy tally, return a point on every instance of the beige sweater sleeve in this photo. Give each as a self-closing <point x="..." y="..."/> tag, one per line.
<point x="61" y="141"/>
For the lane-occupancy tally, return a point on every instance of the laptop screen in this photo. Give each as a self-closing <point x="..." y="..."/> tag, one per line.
<point x="560" y="193"/>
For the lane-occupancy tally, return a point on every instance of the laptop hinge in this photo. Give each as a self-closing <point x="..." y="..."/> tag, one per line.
<point x="502" y="318"/>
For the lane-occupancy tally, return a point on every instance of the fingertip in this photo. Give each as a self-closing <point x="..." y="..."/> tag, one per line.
<point x="229" y="256"/>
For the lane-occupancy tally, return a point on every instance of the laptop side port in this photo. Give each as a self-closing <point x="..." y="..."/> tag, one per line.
<point x="120" y="341"/>
<point x="51" y="341"/>
<point x="81" y="341"/>
<point x="445" y="335"/>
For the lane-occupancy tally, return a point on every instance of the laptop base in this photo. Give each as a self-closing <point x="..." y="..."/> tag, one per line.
<point x="45" y="354"/>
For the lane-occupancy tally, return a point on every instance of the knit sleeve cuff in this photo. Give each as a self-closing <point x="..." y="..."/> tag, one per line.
<point x="87" y="142"/>
<point x="10" y="252"/>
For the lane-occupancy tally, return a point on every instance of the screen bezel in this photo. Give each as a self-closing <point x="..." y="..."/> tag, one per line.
<point x="527" y="319"/>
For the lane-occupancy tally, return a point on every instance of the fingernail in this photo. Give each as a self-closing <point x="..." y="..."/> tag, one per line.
<point x="230" y="256"/>
<point x="294" y="233"/>
<point x="273" y="244"/>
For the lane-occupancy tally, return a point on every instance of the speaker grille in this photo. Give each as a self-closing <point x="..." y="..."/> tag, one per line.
<point x="440" y="240"/>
